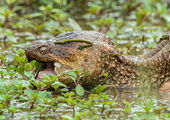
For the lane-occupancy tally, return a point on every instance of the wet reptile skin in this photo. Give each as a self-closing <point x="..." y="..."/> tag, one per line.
<point x="152" y="68"/>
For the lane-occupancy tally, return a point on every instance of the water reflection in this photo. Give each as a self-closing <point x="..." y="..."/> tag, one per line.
<point x="133" y="94"/>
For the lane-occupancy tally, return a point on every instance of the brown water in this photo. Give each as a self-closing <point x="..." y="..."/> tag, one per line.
<point x="132" y="94"/>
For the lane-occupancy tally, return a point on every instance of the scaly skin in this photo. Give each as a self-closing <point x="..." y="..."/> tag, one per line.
<point x="152" y="68"/>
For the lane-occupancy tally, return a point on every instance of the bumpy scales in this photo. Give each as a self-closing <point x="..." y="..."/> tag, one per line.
<point x="99" y="57"/>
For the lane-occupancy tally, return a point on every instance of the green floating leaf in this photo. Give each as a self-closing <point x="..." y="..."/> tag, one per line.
<point x="79" y="90"/>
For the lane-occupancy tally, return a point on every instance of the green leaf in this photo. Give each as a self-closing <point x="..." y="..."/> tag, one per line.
<point x="152" y="44"/>
<point x="79" y="90"/>
<point x="72" y="75"/>
<point x="103" y="55"/>
<point x="2" y="58"/>
<point x="28" y="92"/>
<point x="20" y="70"/>
<point x="64" y="90"/>
<point x="46" y="77"/>
<point x="10" y="1"/>
<point x="34" y="83"/>
<point x="74" y="24"/>
<point x="80" y="47"/>
<point x="12" y="109"/>
<point x="83" y="74"/>
<point x="57" y="84"/>
<point x="106" y="74"/>
<point x="77" y="71"/>
<point x="100" y="88"/>
<point x="33" y="62"/>
<point x="29" y="74"/>
<point x="28" y="66"/>
<point x="18" y="59"/>
<point x="2" y="117"/>
<point x="67" y="117"/>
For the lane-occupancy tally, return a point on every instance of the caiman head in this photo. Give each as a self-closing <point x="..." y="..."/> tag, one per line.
<point x="67" y="52"/>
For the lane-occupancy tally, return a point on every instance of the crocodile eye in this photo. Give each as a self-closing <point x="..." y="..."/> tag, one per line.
<point x="43" y="50"/>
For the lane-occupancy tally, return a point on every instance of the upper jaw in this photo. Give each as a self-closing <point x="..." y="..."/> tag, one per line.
<point x="28" y="56"/>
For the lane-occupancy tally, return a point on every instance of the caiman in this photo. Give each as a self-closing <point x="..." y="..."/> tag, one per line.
<point x="95" y="53"/>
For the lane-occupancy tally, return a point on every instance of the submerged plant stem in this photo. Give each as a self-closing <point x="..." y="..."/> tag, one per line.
<point x="73" y="111"/>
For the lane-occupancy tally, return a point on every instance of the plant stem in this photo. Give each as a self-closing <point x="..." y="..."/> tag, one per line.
<point x="12" y="116"/>
<point x="4" y="41"/>
<point x="73" y="111"/>
<point x="103" y="109"/>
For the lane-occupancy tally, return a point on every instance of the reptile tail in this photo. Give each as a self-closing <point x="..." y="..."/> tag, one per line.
<point x="155" y="65"/>
<point x="165" y="39"/>
<point x="161" y="63"/>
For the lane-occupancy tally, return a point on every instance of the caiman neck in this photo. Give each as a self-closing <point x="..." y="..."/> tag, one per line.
<point x="128" y="71"/>
<point x="120" y="68"/>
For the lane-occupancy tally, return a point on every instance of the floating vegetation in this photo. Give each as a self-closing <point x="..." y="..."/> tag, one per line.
<point x="133" y="25"/>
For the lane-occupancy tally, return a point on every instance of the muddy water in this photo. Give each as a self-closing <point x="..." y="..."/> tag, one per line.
<point x="132" y="94"/>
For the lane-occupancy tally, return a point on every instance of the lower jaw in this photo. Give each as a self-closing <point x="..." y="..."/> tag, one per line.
<point x="49" y="70"/>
